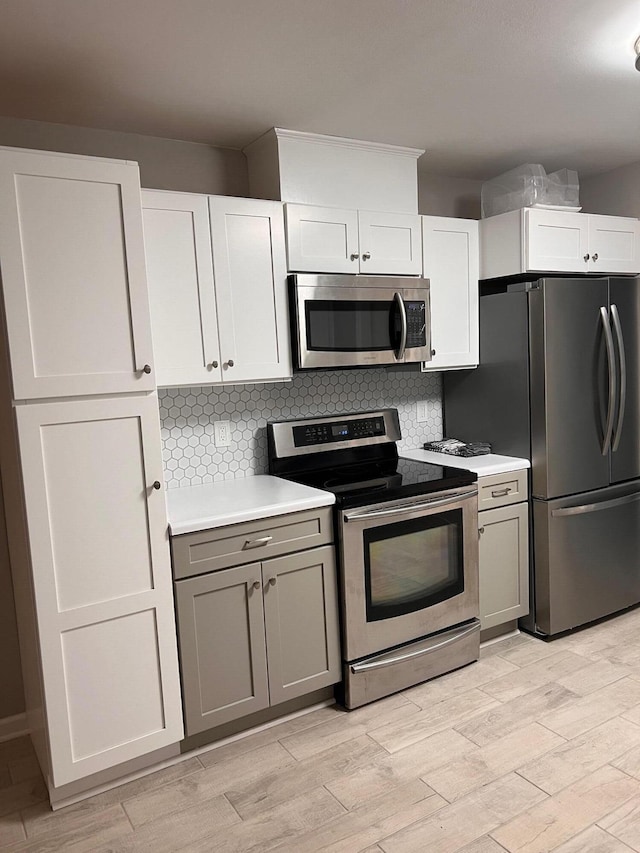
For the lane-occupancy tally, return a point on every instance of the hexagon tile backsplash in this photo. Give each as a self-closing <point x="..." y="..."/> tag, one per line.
<point x="188" y="414"/>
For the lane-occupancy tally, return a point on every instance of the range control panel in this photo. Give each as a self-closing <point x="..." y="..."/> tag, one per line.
<point x="305" y="435"/>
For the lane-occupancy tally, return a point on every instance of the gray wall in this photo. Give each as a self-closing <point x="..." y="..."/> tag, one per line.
<point x="616" y="192"/>
<point x="441" y="195"/>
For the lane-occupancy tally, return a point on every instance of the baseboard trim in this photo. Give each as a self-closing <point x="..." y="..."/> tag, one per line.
<point x="11" y="727"/>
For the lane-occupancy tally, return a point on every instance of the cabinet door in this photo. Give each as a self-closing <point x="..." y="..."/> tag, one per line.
<point x="390" y="243"/>
<point x="614" y="244"/>
<point x="102" y="580"/>
<point x="503" y="564"/>
<point x="73" y="275"/>
<point x="251" y="289"/>
<point x="555" y="241"/>
<point x="301" y="618"/>
<point x="184" y="324"/>
<point x="222" y="647"/>
<point x="322" y="239"/>
<point x="451" y="261"/>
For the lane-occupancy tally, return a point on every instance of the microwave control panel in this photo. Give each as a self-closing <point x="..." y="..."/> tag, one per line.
<point x="347" y="430"/>
<point x="416" y="324"/>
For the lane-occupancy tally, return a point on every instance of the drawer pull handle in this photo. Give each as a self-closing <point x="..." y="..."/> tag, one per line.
<point x="256" y="584"/>
<point x="256" y="543"/>
<point x="273" y="581"/>
<point x="480" y="531"/>
<point x="500" y="493"/>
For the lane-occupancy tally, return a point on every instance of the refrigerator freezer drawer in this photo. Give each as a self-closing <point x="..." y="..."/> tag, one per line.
<point x="587" y="556"/>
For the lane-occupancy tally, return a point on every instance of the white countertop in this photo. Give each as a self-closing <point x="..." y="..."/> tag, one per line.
<point x="215" y="504"/>
<point x="490" y="463"/>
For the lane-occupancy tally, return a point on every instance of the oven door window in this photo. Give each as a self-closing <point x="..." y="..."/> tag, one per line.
<point x="413" y="564"/>
<point x="351" y="326"/>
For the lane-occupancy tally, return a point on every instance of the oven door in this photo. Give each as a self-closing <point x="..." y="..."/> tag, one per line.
<point x="360" y="326"/>
<point x="409" y="568"/>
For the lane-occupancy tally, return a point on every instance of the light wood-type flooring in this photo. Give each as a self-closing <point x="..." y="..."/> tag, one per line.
<point x="535" y="748"/>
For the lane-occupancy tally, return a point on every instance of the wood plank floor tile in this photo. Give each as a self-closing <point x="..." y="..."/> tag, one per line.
<point x="526" y="653"/>
<point x="443" y="715"/>
<point x="473" y="675"/>
<point x="488" y="763"/>
<point x="501" y="647"/>
<point x="624" y="823"/>
<point x="24" y="769"/>
<point x="267" y="790"/>
<point x="557" y="819"/>
<point x="295" y="818"/>
<point x="505" y="718"/>
<point x="206" y="784"/>
<point x="592" y="710"/>
<point x="380" y="816"/>
<point x="534" y="675"/>
<point x="182" y="830"/>
<point x="467" y="819"/>
<point x="386" y="771"/>
<point x="593" y="840"/>
<point x="22" y="795"/>
<point x="581" y="756"/>
<point x="112" y="825"/>
<point x="349" y="725"/>
<point x="486" y="844"/>
<point x="11" y="829"/>
<point x="593" y="677"/>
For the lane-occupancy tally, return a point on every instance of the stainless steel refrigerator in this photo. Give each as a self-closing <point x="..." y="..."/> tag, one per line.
<point x="558" y="383"/>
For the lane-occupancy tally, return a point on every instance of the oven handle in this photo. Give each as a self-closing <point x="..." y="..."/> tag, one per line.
<point x="387" y="660"/>
<point x="403" y="320"/>
<point x="452" y="497"/>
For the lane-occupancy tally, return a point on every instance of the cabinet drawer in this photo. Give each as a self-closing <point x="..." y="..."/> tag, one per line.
<point x="502" y="489"/>
<point x="234" y="544"/>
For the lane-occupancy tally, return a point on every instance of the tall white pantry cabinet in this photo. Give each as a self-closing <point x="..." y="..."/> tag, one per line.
<point x="89" y="541"/>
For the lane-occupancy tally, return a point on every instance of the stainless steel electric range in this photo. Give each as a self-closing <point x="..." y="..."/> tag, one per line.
<point x="407" y="543"/>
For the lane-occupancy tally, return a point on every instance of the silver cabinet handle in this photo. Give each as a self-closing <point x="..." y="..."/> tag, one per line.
<point x="355" y="256"/>
<point x="146" y="368"/>
<point x="230" y="363"/>
<point x="256" y="584"/>
<point x="366" y="256"/>
<point x="273" y="581"/>
<point x="623" y="375"/>
<point x="403" y="321"/>
<point x="214" y="364"/>
<point x="586" y="257"/>
<point x="500" y="493"/>
<point x="480" y="531"/>
<point x="257" y="543"/>
<point x="157" y="484"/>
<point x="608" y="337"/>
<point x="594" y="257"/>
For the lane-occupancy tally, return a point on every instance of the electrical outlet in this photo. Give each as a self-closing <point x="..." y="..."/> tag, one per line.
<point x="222" y="433"/>
<point x="422" y="415"/>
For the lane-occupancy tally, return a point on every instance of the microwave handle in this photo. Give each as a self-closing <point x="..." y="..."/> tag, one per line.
<point x="403" y="321"/>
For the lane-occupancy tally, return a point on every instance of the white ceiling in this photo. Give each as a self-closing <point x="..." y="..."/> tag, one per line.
<point x="482" y="85"/>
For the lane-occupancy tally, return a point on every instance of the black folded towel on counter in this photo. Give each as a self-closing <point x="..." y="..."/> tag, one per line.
<point x="455" y="447"/>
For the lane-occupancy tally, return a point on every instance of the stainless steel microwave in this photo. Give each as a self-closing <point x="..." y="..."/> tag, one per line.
<point x="358" y="320"/>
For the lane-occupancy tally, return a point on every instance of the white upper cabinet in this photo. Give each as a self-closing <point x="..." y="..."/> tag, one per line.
<point x="217" y="288"/>
<point x="101" y="580"/>
<point x="181" y="291"/>
<point x="247" y="236"/>
<point x="73" y="275"/>
<point x="531" y="240"/>
<point x="331" y="240"/>
<point x="451" y="263"/>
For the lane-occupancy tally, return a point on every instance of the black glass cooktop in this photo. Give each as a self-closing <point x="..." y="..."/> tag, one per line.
<point x="372" y="482"/>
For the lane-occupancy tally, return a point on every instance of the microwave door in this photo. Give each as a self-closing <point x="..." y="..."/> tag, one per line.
<point x="346" y="327"/>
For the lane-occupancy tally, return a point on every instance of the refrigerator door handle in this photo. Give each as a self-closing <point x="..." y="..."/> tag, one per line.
<point x="582" y="510"/>
<point x="608" y="338"/>
<point x="623" y="376"/>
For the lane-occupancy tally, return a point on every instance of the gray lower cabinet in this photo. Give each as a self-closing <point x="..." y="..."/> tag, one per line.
<point x="504" y="549"/>
<point x="257" y="635"/>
